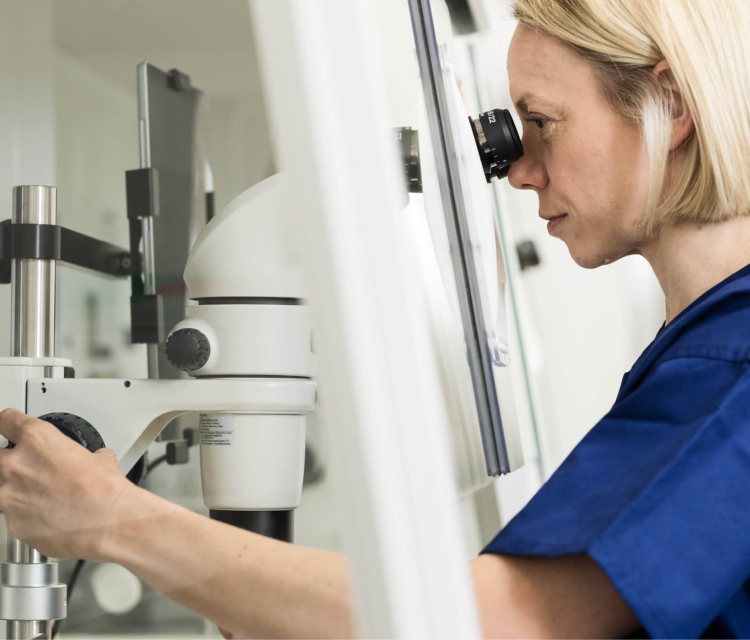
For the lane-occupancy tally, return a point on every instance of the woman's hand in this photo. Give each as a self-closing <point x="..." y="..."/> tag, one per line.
<point x="57" y="496"/>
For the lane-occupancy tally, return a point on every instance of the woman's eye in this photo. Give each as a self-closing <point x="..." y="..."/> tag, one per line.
<point x="539" y="122"/>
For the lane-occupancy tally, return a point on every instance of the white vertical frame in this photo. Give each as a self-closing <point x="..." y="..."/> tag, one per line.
<point x="385" y="418"/>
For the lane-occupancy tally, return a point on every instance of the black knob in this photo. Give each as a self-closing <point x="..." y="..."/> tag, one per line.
<point x="188" y="349"/>
<point x="76" y="429"/>
<point x="85" y="434"/>
<point x="528" y="256"/>
<point x="408" y="140"/>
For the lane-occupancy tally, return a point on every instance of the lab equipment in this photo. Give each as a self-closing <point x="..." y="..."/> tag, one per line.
<point x="498" y="142"/>
<point x="408" y="140"/>
<point x="250" y="320"/>
<point x="247" y="342"/>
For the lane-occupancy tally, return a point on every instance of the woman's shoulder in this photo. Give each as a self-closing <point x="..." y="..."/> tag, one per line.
<point x="716" y="327"/>
<point x="719" y="320"/>
<point x="690" y="383"/>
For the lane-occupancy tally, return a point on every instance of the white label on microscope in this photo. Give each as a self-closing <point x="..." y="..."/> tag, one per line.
<point x="217" y="429"/>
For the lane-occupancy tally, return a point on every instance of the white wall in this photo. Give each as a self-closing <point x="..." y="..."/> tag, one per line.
<point x="96" y="142"/>
<point x="26" y="111"/>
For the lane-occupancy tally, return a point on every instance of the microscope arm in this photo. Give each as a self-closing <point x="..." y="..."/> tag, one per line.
<point x="130" y="414"/>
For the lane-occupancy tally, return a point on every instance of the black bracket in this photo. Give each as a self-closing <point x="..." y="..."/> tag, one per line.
<point x="528" y="256"/>
<point x="53" y="242"/>
<point x="146" y="310"/>
<point x="142" y="193"/>
<point x="178" y="451"/>
<point x="146" y="319"/>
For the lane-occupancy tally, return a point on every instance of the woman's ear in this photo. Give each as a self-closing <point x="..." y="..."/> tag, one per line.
<point x="682" y="119"/>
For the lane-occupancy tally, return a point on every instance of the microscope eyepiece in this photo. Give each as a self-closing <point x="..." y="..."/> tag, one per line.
<point x="497" y="141"/>
<point x="495" y="134"/>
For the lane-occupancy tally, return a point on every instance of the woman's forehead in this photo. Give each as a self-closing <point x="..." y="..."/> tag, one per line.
<point x="541" y="69"/>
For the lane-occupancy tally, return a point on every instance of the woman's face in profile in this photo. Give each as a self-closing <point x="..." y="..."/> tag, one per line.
<point x="588" y="165"/>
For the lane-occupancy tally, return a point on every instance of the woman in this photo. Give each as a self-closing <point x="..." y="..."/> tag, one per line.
<point x="637" y="139"/>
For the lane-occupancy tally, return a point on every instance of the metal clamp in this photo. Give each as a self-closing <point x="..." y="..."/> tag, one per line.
<point x="146" y="307"/>
<point x="31" y="592"/>
<point x="30" y="241"/>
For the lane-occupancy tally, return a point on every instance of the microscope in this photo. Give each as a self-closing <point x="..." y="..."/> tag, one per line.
<point x="245" y="342"/>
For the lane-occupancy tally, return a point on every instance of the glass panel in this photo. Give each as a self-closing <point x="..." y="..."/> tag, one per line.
<point x="449" y="159"/>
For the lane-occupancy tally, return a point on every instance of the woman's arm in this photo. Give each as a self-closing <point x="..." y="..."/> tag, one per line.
<point x="535" y="597"/>
<point x="246" y="583"/>
<point x="68" y="502"/>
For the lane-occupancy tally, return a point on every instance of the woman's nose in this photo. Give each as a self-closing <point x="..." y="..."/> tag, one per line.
<point x="528" y="172"/>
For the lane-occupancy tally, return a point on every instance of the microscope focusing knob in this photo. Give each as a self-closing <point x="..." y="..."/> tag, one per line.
<point x="85" y="434"/>
<point x="188" y="349"/>
<point x="76" y="429"/>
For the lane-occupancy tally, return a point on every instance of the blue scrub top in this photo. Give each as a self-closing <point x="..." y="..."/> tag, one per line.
<point x="658" y="492"/>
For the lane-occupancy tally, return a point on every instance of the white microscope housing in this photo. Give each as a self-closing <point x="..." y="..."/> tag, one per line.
<point x="248" y="320"/>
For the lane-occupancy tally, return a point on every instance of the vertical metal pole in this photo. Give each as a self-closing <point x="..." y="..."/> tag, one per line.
<point x="33" y="281"/>
<point x="33" y="336"/>
<point x="149" y="266"/>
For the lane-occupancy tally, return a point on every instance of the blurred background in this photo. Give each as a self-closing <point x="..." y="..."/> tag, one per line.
<point x="68" y="117"/>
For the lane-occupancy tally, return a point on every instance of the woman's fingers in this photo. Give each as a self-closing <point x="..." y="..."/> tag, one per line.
<point x="53" y="492"/>
<point x="20" y="428"/>
<point x="6" y="464"/>
<point x="12" y="423"/>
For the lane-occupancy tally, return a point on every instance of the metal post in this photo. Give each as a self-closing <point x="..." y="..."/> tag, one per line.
<point x="149" y="266"/>
<point x="33" y="336"/>
<point x="33" y="281"/>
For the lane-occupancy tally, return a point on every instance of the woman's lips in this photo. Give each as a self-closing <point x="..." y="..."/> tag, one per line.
<point x="554" y="223"/>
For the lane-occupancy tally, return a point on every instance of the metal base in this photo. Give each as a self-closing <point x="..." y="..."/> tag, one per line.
<point x="30" y="593"/>
<point x="25" y="629"/>
<point x="273" y="524"/>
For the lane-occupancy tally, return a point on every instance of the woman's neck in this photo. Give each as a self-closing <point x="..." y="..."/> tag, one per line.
<point x="689" y="259"/>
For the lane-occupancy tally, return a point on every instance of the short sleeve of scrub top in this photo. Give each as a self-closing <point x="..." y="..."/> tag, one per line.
<point x="658" y="492"/>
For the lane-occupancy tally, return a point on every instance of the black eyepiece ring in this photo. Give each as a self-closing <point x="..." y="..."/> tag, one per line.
<point x="497" y="141"/>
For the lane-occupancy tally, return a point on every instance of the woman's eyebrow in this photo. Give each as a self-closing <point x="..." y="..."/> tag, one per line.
<point x="522" y="104"/>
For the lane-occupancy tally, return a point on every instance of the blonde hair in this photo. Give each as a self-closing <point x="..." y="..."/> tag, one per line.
<point x="707" y="45"/>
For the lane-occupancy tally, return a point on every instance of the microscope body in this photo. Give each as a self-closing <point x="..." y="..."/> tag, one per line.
<point x="249" y="322"/>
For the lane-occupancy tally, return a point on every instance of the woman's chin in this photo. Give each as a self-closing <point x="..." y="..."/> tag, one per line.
<point x="588" y="258"/>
